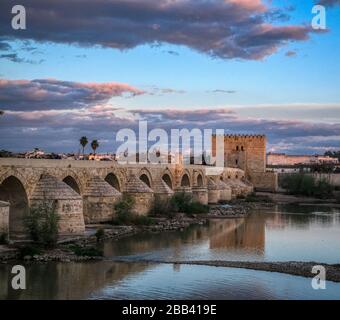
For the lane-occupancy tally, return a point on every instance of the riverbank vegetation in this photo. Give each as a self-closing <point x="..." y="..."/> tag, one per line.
<point x="3" y="238"/>
<point x="86" y="251"/>
<point x="307" y="185"/>
<point x="125" y="216"/>
<point x="42" y="224"/>
<point x="253" y="197"/>
<point x="169" y="208"/>
<point x="179" y="203"/>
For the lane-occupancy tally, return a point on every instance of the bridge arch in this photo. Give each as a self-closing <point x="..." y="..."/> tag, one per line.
<point x="112" y="179"/>
<point x="199" y="180"/>
<point x="145" y="176"/>
<point x="12" y="190"/>
<point x="185" y="180"/>
<point x="72" y="182"/>
<point x="167" y="179"/>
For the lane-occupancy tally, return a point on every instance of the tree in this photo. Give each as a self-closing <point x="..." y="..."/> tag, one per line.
<point x="1" y="112"/>
<point x="94" y="145"/>
<point x="333" y="154"/>
<point x="83" y="141"/>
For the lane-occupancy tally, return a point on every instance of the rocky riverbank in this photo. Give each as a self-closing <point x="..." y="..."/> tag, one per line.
<point x="77" y="249"/>
<point x="237" y="208"/>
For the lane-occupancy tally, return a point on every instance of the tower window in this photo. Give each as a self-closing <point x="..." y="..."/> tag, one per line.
<point x="242" y="148"/>
<point x="237" y="148"/>
<point x="236" y="161"/>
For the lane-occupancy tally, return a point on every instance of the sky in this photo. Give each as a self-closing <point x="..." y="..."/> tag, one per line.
<point x="93" y="67"/>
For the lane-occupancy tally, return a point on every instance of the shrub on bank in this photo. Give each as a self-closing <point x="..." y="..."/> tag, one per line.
<point x="307" y="185"/>
<point x="179" y="203"/>
<point x="28" y="251"/>
<point x="42" y="224"/>
<point x="163" y="207"/>
<point x="88" y="251"/>
<point x="125" y="216"/>
<point x="3" y="238"/>
<point x="100" y="234"/>
<point x="184" y="203"/>
<point x="252" y="197"/>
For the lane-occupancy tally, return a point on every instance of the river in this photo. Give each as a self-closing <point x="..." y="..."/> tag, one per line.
<point x="285" y="233"/>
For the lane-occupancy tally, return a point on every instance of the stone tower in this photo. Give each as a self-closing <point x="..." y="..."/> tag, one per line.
<point x="248" y="152"/>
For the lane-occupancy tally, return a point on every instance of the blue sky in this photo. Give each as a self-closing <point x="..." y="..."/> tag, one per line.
<point x="290" y="80"/>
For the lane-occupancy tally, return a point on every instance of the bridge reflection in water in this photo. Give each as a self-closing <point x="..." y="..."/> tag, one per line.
<point x="80" y="280"/>
<point x="220" y="238"/>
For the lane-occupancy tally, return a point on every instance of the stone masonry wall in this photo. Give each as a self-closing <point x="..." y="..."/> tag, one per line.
<point x="4" y="217"/>
<point x="265" y="181"/>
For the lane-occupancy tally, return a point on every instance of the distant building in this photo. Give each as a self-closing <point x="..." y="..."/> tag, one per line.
<point x="102" y="157"/>
<point x="282" y="159"/>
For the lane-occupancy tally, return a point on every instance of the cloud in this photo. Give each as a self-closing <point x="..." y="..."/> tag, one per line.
<point x="46" y="94"/>
<point x="59" y="130"/>
<point x="15" y="58"/>
<point x="24" y="130"/>
<point x="329" y="2"/>
<point x="172" y="52"/>
<point x="290" y="53"/>
<point x="222" y="91"/>
<point x="219" y="28"/>
<point x="4" y="46"/>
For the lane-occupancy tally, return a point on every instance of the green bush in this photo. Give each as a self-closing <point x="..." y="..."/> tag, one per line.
<point x="100" y="234"/>
<point x="88" y="251"/>
<point x="197" y="208"/>
<point x="253" y="197"/>
<point x="307" y="185"/>
<point x="42" y="224"/>
<point x="29" y="251"/>
<point x="123" y="209"/>
<point x="3" y="238"/>
<point x="183" y="203"/>
<point x="125" y="216"/>
<point x="164" y="207"/>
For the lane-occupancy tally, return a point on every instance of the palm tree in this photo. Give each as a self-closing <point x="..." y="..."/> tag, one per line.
<point x="94" y="146"/>
<point x="83" y="141"/>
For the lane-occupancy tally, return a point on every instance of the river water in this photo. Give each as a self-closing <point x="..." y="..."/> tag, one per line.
<point x="290" y="233"/>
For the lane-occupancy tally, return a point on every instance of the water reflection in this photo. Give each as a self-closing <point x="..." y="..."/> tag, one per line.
<point x="278" y="234"/>
<point x="65" y="280"/>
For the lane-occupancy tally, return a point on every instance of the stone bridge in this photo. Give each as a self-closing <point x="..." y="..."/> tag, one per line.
<point x="85" y="192"/>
